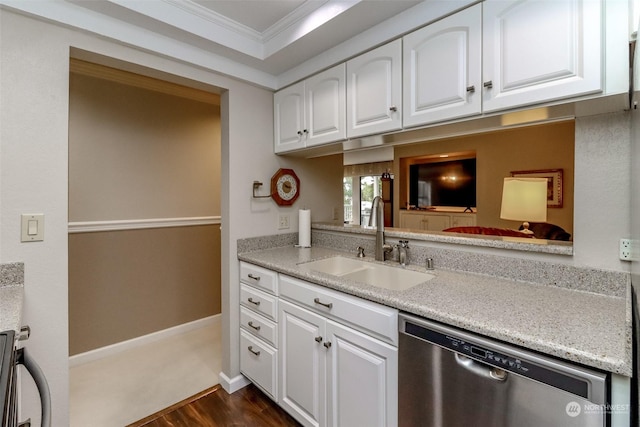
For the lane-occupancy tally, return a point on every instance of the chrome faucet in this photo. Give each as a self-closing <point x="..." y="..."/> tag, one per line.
<point x="377" y="210"/>
<point x="403" y="247"/>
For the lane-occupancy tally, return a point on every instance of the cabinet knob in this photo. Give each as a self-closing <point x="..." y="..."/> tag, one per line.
<point x="393" y="108"/>
<point x="327" y="344"/>
<point x="325" y="304"/>
<point x="299" y="133"/>
<point x="471" y="89"/>
<point x="318" y="339"/>
<point x="257" y="328"/>
<point x="252" y="301"/>
<point x="250" y="348"/>
<point x="488" y="84"/>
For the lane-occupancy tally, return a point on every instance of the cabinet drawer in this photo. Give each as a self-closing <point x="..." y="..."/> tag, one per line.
<point x="259" y="326"/>
<point x="259" y="277"/>
<point x="371" y="318"/>
<point x="258" y="301"/>
<point x="258" y="361"/>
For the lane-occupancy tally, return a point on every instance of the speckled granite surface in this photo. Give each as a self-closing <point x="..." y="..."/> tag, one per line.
<point x="584" y="327"/>
<point x="507" y="267"/>
<point x="11" y="295"/>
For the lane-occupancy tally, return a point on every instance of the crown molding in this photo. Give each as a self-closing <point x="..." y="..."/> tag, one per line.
<point x="91" y="69"/>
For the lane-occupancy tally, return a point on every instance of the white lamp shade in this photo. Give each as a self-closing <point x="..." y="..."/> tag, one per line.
<point x="524" y="199"/>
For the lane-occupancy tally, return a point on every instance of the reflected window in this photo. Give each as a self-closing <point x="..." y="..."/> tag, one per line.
<point x="370" y="187"/>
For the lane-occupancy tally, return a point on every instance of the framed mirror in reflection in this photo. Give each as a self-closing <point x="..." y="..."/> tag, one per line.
<point x="422" y="203"/>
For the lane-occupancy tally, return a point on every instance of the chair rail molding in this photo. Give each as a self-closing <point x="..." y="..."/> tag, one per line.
<point x="138" y="224"/>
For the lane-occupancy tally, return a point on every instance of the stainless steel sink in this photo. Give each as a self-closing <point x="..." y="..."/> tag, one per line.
<point x="380" y="276"/>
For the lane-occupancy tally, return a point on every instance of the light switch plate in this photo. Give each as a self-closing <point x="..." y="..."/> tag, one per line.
<point x="32" y="226"/>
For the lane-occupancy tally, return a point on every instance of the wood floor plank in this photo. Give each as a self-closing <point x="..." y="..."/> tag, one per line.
<point x="248" y="407"/>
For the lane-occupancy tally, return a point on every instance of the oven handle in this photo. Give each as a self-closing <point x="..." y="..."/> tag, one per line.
<point x="23" y="358"/>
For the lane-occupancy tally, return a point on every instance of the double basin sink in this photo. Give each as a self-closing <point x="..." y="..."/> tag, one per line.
<point x="378" y="275"/>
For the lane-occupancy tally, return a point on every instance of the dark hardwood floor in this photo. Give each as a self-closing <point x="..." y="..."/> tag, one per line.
<point x="216" y="408"/>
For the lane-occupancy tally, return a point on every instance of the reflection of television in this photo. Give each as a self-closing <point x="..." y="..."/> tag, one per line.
<point x="446" y="183"/>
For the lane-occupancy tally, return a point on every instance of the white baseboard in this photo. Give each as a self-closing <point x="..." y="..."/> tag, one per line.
<point x="231" y="385"/>
<point x="110" y="350"/>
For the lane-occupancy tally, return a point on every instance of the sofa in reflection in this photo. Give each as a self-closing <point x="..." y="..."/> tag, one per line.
<point x="541" y="230"/>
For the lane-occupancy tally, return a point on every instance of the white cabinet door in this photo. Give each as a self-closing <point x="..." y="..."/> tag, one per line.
<point x="463" y="220"/>
<point x="259" y="361"/>
<point x="326" y="104"/>
<point x="289" y="124"/>
<point x="436" y="222"/>
<point x="540" y="50"/>
<point x="412" y="221"/>
<point x="374" y="91"/>
<point x="302" y="364"/>
<point x="442" y="68"/>
<point x="362" y="379"/>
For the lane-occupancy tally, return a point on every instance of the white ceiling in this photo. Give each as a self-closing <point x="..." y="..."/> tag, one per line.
<point x="271" y="36"/>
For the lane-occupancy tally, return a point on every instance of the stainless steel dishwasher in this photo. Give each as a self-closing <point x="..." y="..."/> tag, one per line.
<point x="449" y="378"/>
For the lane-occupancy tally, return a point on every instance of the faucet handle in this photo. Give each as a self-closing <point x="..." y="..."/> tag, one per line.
<point x="404" y="243"/>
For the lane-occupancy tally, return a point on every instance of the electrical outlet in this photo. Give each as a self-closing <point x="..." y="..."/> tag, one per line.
<point x="283" y="221"/>
<point x="625" y="249"/>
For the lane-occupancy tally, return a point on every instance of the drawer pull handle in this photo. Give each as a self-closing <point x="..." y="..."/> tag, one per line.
<point x="327" y="344"/>
<point x="257" y="328"/>
<point x="252" y="301"/>
<point x="318" y="339"/>
<point x="251" y="276"/>
<point x="325" y="304"/>
<point x="257" y="353"/>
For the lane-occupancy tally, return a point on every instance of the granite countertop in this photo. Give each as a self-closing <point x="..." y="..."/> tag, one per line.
<point x="11" y="295"/>
<point x="583" y="327"/>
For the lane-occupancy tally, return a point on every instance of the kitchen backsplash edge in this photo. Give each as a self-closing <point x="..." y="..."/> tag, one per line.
<point x="604" y="282"/>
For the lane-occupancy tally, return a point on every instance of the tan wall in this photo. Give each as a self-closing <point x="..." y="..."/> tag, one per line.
<point x="140" y="154"/>
<point x="125" y="284"/>
<point x="549" y="146"/>
<point x="137" y="154"/>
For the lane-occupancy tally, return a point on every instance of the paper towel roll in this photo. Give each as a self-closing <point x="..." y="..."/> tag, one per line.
<point x="304" y="228"/>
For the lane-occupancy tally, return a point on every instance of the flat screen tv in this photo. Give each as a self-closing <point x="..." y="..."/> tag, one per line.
<point x="449" y="183"/>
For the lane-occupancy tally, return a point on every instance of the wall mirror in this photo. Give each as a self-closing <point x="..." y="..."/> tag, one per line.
<point x="545" y="150"/>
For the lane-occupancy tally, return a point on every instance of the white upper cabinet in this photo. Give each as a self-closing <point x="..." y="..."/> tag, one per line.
<point x="536" y="51"/>
<point x="442" y="69"/>
<point x="374" y="91"/>
<point x="311" y="112"/>
<point x="326" y="106"/>
<point x="289" y="125"/>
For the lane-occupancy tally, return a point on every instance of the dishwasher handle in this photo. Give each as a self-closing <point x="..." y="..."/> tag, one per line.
<point x="479" y="368"/>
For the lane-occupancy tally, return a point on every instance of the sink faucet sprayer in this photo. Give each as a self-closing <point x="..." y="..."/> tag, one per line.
<point x="403" y="247"/>
<point x="377" y="210"/>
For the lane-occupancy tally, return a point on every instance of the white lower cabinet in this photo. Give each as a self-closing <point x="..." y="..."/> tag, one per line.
<point x="362" y="379"/>
<point x="332" y="374"/>
<point x="258" y="327"/>
<point x="258" y="361"/>
<point x="302" y="364"/>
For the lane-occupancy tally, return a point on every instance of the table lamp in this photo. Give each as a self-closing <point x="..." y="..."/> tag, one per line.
<point x="524" y="199"/>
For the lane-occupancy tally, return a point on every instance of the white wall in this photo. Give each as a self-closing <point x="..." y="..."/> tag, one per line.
<point x="602" y="190"/>
<point x="34" y="60"/>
